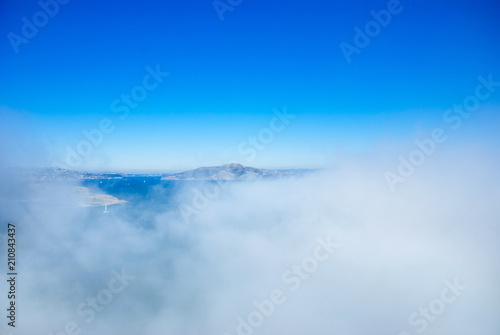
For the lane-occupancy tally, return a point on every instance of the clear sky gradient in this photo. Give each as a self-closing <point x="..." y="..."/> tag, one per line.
<point x="227" y="76"/>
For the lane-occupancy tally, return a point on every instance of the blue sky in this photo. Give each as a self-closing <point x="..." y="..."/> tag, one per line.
<point x="227" y="76"/>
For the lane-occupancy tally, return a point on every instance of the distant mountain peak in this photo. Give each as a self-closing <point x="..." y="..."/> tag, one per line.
<point x="232" y="171"/>
<point x="234" y="165"/>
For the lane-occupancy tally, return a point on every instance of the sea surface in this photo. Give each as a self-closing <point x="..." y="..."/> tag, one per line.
<point x="130" y="188"/>
<point x="146" y="197"/>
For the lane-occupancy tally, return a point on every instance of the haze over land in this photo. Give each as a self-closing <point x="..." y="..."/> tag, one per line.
<point x="396" y="250"/>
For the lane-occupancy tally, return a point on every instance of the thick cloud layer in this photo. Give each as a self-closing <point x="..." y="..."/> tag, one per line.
<point x="336" y="252"/>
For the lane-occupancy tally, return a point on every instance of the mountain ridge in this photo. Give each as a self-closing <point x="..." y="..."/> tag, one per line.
<point x="232" y="171"/>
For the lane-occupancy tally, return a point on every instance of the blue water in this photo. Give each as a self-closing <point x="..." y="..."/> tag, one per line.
<point x="140" y="188"/>
<point x="128" y="188"/>
<point x="147" y="196"/>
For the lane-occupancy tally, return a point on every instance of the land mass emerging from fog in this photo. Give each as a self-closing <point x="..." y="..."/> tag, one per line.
<point x="224" y="172"/>
<point x="233" y="172"/>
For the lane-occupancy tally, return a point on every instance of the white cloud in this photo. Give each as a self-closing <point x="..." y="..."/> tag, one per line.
<point x="396" y="251"/>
